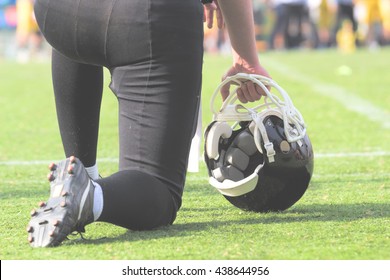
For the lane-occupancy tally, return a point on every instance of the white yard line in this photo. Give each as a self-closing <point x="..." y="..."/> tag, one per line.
<point x="351" y="175"/>
<point x="43" y="162"/>
<point x="352" y="154"/>
<point x="346" y="98"/>
<point x="115" y="160"/>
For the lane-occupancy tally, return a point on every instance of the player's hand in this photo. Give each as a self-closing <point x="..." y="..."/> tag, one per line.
<point x="208" y="14"/>
<point x="248" y="92"/>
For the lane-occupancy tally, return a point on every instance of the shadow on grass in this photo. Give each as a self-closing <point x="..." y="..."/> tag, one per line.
<point x="307" y="213"/>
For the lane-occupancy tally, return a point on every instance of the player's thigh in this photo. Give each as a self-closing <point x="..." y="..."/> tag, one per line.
<point x="159" y="94"/>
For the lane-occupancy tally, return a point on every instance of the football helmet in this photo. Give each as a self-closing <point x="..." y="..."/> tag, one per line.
<point x="260" y="157"/>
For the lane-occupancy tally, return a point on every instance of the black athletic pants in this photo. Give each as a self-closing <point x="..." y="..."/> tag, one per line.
<point x="153" y="50"/>
<point x="285" y="13"/>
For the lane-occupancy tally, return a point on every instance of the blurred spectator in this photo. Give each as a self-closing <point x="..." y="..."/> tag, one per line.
<point x="345" y="11"/>
<point x="322" y="14"/>
<point x="346" y="38"/>
<point x="7" y="14"/>
<point x="292" y="26"/>
<point x="260" y="17"/>
<point x="385" y="11"/>
<point x="28" y="37"/>
<point x="374" y="36"/>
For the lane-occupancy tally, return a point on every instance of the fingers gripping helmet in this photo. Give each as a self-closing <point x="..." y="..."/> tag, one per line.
<point x="260" y="158"/>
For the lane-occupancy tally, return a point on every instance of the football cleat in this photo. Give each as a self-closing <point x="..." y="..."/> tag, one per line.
<point x="260" y="158"/>
<point x="69" y="208"/>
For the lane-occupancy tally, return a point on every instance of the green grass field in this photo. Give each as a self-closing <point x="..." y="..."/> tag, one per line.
<point x="345" y="214"/>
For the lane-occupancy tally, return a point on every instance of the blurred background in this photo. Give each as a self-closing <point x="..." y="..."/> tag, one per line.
<point x="280" y="25"/>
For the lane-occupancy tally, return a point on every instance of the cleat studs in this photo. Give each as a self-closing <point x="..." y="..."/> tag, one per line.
<point x="70" y="169"/>
<point x="52" y="166"/>
<point x="42" y="204"/>
<point x="30" y="239"/>
<point x="48" y="209"/>
<point x="33" y="213"/>
<point x="29" y="229"/>
<point x="72" y="159"/>
<point x="64" y="193"/>
<point x="56" y="222"/>
<point x="63" y="204"/>
<point x="51" y="233"/>
<point x="50" y="177"/>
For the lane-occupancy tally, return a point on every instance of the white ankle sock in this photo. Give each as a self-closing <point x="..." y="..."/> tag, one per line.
<point x="97" y="201"/>
<point x="93" y="172"/>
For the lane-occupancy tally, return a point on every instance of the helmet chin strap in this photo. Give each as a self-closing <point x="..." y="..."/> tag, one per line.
<point x="260" y="128"/>
<point x="232" y="188"/>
